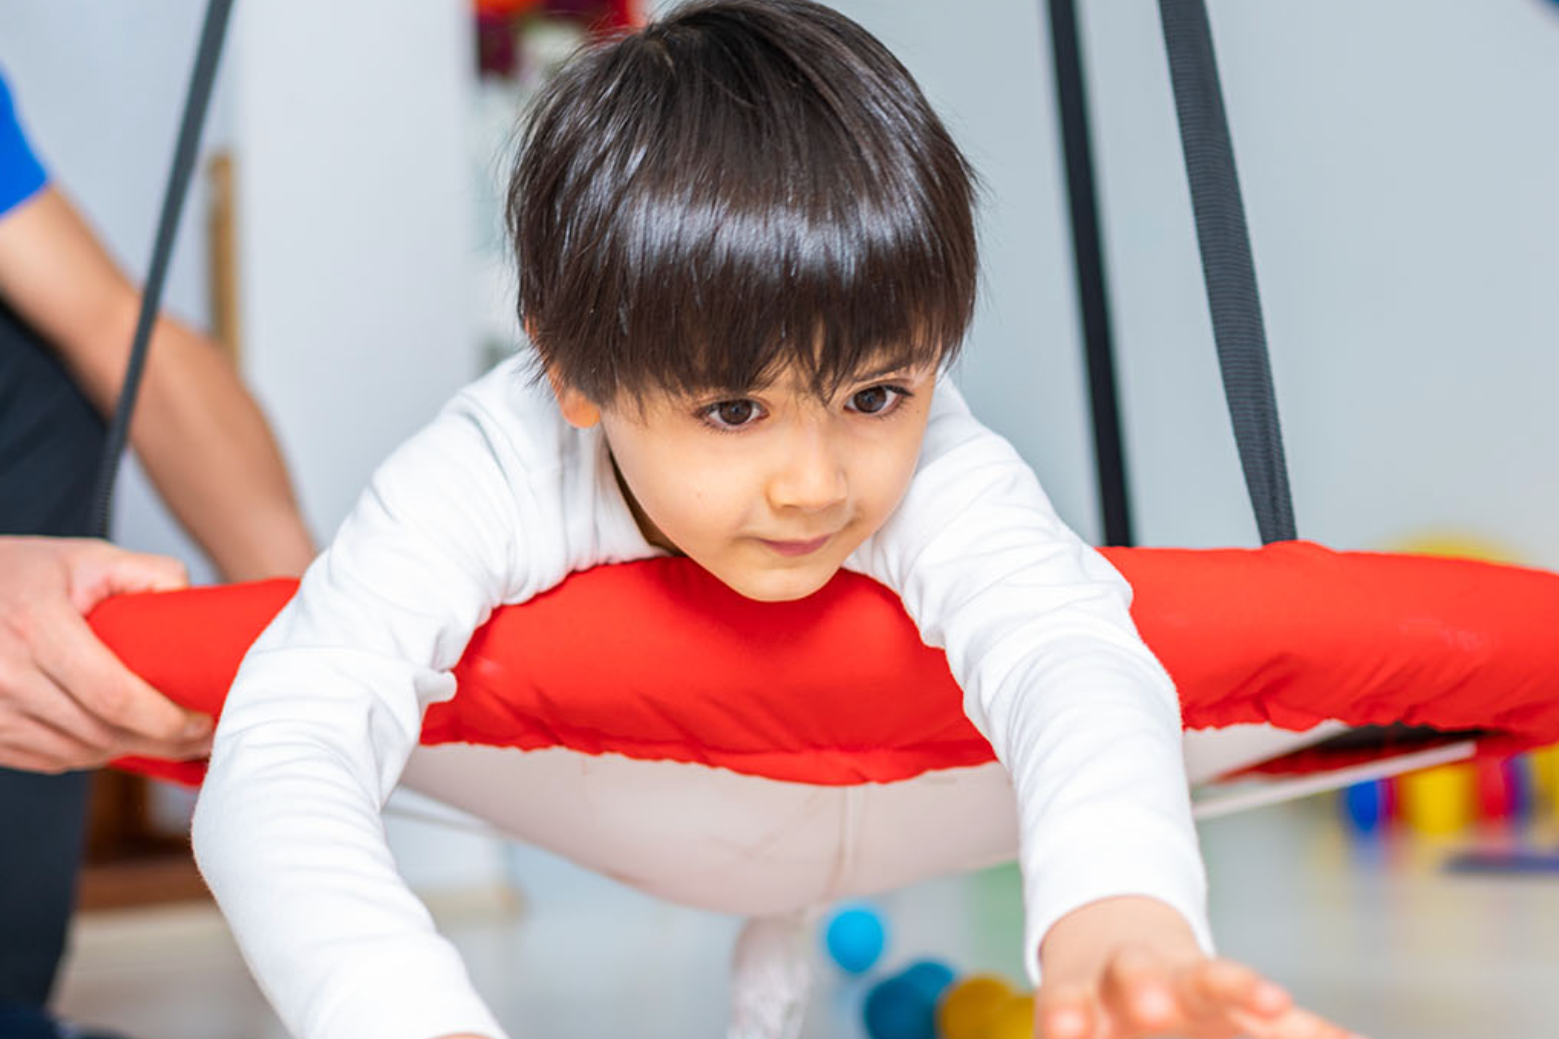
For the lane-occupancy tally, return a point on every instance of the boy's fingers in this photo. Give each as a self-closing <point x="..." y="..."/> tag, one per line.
<point x="1138" y="993"/>
<point x="1065" y="1013"/>
<point x="1225" y="984"/>
<point x="1294" y="1024"/>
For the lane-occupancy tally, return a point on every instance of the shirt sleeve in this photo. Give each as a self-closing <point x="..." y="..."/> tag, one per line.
<point x="21" y="174"/>
<point x="324" y="712"/>
<point x="1038" y="632"/>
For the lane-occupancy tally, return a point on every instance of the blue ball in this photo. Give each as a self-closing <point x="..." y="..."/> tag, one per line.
<point x="855" y="937"/>
<point x="1366" y="805"/>
<point x="933" y="977"/>
<point x="898" y="1008"/>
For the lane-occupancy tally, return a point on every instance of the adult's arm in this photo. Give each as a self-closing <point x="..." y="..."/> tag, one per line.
<point x="199" y="433"/>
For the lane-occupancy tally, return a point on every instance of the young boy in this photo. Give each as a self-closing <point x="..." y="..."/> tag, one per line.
<point x="746" y="253"/>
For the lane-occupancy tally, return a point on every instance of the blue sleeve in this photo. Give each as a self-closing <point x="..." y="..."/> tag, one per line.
<point x="21" y="174"/>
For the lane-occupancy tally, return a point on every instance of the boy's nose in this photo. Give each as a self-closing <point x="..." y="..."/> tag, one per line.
<point x="809" y="477"/>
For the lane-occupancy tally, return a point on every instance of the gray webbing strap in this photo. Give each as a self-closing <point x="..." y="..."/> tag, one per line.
<point x="206" y="57"/>
<point x="1227" y="266"/>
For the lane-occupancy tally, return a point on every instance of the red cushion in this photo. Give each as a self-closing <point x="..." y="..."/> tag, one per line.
<point x="658" y="660"/>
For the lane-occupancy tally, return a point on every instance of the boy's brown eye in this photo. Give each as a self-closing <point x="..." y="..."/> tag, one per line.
<point x="872" y="401"/>
<point x="734" y="412"/>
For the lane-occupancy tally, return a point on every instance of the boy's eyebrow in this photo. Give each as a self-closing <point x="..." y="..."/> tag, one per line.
<point x="900" y="367"/>
<point x="892" y="368"/>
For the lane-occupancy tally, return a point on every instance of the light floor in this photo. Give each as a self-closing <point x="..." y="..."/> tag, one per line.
<point x="1375" y="934"/>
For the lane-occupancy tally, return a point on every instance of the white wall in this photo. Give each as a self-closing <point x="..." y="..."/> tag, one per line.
<point x="1398" y="161"/>
<point x="350" y="126"/>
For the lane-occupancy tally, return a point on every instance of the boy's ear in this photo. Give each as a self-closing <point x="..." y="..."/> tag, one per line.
<point x="578" y="410"/>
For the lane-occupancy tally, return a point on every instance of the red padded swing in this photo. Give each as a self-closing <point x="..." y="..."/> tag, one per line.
<point x="1292" y="634"/>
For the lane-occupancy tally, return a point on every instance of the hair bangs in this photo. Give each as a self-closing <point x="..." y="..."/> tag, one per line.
<point x="740" y="190"/>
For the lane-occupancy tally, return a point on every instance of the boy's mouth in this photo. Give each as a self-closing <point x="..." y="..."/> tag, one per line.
<point x="797" y="548"/>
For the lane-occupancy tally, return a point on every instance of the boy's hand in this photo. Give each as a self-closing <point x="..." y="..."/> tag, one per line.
<point x="1129" y="968"/>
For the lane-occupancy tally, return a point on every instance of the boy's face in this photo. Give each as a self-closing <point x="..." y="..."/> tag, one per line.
<point x="770" y="491"/>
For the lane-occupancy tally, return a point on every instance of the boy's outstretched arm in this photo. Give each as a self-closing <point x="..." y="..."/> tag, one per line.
<point x="1129" y="967"/>
<point x="1038" y="633"/>
<point x="322" y="716"/>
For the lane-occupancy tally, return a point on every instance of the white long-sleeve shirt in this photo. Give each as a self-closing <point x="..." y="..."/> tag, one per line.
<point x="499" y="499"/>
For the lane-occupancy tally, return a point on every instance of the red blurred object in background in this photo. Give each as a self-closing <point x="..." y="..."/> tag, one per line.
<point x="1496" y="800"/>
<point x="498" y="22"/>
<point x="504" y="7"/>
<point x="1391" y="810"/>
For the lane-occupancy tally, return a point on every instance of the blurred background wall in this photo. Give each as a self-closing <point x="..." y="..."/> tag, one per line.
<point x="1398" y="161"/>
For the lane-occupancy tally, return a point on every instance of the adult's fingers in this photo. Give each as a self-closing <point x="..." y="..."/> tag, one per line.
<point x="99" y="570"/>
<point x="43" y="724"/>
<point x="135" y="746"/>
<point x="71" y="655"/>
<point x="32" y="746"/>
<point x="31" y="694"/>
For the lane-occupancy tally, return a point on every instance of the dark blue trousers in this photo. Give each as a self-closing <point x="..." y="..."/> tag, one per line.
<point x="43" y="819"/>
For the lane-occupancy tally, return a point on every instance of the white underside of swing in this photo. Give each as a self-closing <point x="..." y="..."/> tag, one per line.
<point x="714" y="839"/>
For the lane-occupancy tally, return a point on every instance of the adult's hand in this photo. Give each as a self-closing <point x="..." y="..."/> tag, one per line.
<point x="66" y="702"/>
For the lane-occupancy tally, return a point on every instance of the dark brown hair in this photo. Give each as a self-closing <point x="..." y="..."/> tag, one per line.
<point x="743" y="185"/>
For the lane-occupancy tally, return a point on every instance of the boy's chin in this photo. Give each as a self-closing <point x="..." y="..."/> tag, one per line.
<point x="779" y="585"/>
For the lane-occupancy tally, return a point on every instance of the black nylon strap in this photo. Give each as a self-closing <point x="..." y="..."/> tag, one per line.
<point x="1227" y="266"/>
<point x="195" y="104"/>
<point x="1093" y="298"/>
